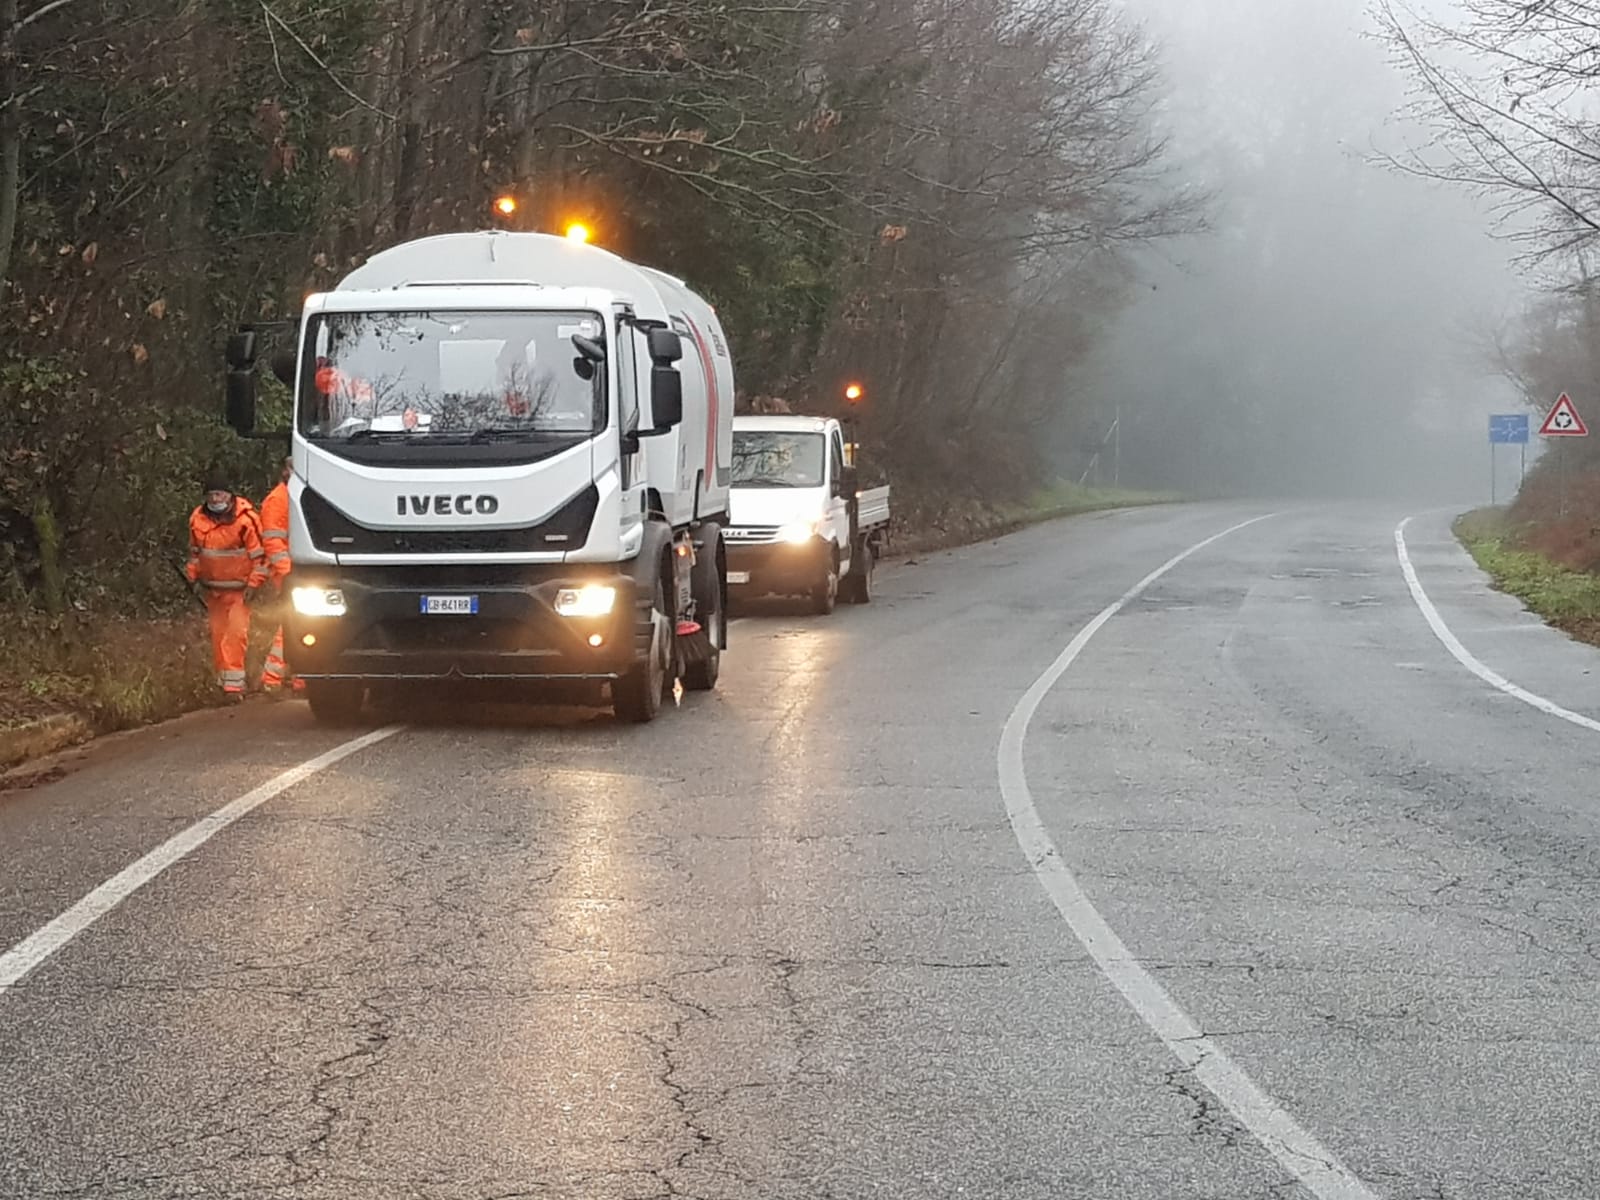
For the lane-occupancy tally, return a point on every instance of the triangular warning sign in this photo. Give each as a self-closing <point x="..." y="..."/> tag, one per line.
<point x="1563" y="420"/>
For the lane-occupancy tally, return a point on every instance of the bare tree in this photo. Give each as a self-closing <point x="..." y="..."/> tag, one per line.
<point x="1507" y="86"/>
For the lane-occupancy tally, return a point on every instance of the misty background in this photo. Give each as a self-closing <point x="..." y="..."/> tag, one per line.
<point x="1330" y="332"/>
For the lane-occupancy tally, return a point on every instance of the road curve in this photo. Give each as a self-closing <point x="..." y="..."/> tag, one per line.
<point x="786" y="942"/>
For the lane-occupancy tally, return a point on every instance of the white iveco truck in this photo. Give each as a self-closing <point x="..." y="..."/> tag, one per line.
<point x="511" y="459"/>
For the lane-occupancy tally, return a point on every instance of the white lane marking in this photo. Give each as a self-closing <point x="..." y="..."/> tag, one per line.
<point x="1464" y="656"/>
<point x="1297" y="1150"/>
<point x="32" y="950"/>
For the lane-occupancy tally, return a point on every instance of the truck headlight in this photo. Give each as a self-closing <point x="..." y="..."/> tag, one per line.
<point x="318" y="602"/>
<point x="591" y="600"/>
<point x="799" y="532"/>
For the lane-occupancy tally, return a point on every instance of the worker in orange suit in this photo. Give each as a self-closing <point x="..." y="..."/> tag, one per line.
<point x="275" y="541"/>
<point x="228" y="562"/>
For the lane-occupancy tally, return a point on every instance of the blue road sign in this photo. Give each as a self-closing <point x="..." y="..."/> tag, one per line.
<point x="1508" y="429"/>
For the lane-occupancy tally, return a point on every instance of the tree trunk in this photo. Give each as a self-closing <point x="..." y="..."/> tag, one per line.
<point x="10" y="135"/>
<point x="52" y="583"/>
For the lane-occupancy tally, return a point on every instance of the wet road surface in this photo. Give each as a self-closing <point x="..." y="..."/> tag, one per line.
<point x="785" y="942"/>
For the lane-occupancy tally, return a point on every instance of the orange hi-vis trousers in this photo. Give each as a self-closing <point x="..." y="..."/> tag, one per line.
<point x="230" y="631"/>
<point x="272" y="675"/>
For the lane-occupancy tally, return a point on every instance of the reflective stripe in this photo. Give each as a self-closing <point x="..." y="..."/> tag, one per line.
<point x="278" y="557"/>
<point x="224" y="585"/>
<point x="275" y="533"/>
<point x="258" y="553"/>
<point x="204" y="553"/>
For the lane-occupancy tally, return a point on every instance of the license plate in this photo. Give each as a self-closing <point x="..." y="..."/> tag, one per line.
<point x="738" y="576"/>
<point x="450" y="606"/>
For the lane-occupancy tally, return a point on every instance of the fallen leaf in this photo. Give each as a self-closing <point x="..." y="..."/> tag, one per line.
<point x="157" y="309"/>
<point x="161" y="431"/>
<point x="90" y="253"/>
<point x="140" y="354"/>
<point x="348" y="155"/>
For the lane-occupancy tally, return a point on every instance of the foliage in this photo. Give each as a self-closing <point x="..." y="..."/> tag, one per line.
<point x="820" y="169"/>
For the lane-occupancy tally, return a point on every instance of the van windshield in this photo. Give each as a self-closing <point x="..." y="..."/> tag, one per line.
<point x="432" y="377"/>
<point x="777" y="460"/>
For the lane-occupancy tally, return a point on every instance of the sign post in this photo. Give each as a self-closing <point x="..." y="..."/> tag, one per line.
<point x="1505" y="429"/>
<point x="1563" y="421"/>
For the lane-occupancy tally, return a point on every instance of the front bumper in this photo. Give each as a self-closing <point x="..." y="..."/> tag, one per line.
<point x="515" y="634"/>
<point x="776" y="568"/>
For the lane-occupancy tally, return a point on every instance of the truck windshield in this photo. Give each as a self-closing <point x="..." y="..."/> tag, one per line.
<point x="449" y="377"/>
<point x="777" y="460"/>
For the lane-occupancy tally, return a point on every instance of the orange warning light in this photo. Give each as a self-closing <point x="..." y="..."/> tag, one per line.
<point x="853" y="392"/>
<point x="506" y="205"/>
<point x="578" y="232"/>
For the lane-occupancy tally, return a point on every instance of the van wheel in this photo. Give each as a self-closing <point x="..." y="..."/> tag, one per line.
<point x="637" y="696"/>
<point x="335" y="701"/>
<point x="826" y="594"/>
<point x="857" y="587"/>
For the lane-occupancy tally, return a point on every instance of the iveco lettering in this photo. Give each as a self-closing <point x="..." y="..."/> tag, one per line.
<point x="445" y="505"/>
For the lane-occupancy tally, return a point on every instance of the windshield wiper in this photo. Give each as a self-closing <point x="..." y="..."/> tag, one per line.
<point x="359" y="435"/>
<point x="502" y="433"/>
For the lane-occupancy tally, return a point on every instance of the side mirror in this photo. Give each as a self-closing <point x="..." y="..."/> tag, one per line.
<point x="242" y="350"/>
<point x="666" y="397"/>
<point x="283" y="364"/>
<point x="666" y="347"/>
<point x="241" y="406"/>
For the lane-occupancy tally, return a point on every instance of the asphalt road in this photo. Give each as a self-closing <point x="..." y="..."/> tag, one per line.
<point x="793" y="940"/>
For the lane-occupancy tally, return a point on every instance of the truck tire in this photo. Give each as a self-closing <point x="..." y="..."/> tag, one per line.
<point x="857" y="586"/>
<point x="826" y="594"/>
<point x="335" y="701"/>
<point x="637" y="696"/>
<point x="702" y="676"/>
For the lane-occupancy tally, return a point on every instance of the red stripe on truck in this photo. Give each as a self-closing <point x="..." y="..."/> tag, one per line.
<point x="709" y="367"/>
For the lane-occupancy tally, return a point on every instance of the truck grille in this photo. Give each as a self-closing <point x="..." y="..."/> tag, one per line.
<point x="751" y="533"/>
<point x="565" y="529"/>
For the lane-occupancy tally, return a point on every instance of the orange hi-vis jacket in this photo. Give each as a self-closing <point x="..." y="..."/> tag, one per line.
<point x="225" y="553"/>
<point x="275" y="531"/>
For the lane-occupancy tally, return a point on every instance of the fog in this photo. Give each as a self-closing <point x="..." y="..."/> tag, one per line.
<point x="1326" y="335"/>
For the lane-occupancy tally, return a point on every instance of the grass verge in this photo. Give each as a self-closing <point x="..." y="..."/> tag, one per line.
<point x="949" y="525"/>
<point x="116" y="673"/>
<point x="1567" y="599"/>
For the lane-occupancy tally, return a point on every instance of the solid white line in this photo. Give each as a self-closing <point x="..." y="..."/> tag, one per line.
<point x="1464" y="656"/>
<point x="1300" y="1153"/>
<point x="27" y="954"/>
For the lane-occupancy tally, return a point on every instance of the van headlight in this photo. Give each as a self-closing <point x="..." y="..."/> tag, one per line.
<point x="797" y="533"/>
<point x="591" y="600"/>
<point x="318" y="602"/>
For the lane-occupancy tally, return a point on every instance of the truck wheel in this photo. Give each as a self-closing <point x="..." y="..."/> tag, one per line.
<point x="702" y="676"/>
<point x="637" y="696"/>
<point x="826" y="594"/>
<point x="335" y="701"/>
<point x="857" y="588"/>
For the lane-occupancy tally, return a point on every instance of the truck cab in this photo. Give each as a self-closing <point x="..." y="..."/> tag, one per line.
<point x="798" y="525"/>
